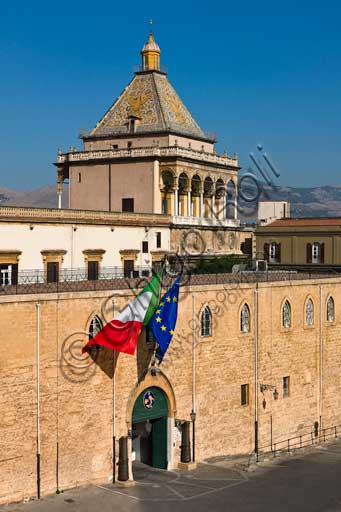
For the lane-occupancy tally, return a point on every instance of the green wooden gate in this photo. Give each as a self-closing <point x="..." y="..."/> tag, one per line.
<point x="159" y="443"/>
<point x="152" y="405"/>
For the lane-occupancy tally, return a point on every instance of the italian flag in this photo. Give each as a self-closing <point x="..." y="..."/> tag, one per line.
<point x="122" y="332"/>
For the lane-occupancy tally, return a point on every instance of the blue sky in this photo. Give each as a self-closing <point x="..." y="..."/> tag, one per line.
<point x="254" y="72"/>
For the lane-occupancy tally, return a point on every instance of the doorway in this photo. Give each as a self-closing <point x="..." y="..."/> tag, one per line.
<point x="149" y="428"/>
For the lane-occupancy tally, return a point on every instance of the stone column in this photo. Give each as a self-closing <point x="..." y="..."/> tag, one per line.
<point x="213" y="207"/>
<point x="176" y="202"/>
<point x="201" y="210"/>
<point x="60" y="188"/>
<point x="220" y="211"/>
<point x="189" y="213"/>
<point x="235" y="205"/>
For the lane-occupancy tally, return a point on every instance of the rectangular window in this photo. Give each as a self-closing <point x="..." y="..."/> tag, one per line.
<point x="93" y="270"/>
<point x="115" y="146"/>
<point x="286" y="386"/>
<point x="127" y="204"/>
<point x="158" y="239"/>
<point x="8" y="274"/>
<point x="244" y="394"/>
<point x="128" y="268"/>
<point x="129" y="144"/>
<point x="79" y="177"/>
<point x="145" y="247"/>
<point x="52" y="272"/>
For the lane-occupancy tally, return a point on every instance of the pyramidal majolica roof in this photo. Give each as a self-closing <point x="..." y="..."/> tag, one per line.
<point x="150" y="98"/>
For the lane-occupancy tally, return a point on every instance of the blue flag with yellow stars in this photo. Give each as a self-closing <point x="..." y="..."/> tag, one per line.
<point x="162" y="323"/>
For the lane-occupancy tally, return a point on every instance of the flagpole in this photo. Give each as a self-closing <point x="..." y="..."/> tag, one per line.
<point x="193" y="413"/>
<point x="156" y="345"/>
<point x="38" y="395"/>
<point x="114" y="411"/>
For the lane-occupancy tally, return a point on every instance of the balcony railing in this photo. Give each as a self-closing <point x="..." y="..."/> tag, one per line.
<point x="153" y="151"/>
<point x="114" y="278"/>
<point x="202" y="221"/>
<point x="73" y="275"/>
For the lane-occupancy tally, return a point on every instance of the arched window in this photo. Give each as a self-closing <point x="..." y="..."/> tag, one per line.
<point x="286" y="314"/>
<point x="330" y="310"/>
<point x="245" y="319"/>
<point x="94" y="327"/>
<point x="206" y="322"/>
<point x="309" y="312"/>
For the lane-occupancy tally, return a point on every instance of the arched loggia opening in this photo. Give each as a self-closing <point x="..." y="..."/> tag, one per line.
<point x="196" y="196"/>
<point x="208" y="194"/>
<point x="220" y="191"/>
<point x="231" y="203"/>
<point x="167" y="186"/>
<point x="183" y="194"/>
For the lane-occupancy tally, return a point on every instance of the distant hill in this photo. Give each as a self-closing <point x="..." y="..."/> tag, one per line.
<point x="305" y="202"/>
<point x="44" y="197"/>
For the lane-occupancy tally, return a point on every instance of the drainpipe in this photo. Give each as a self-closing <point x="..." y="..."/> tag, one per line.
<point x="38" y="394"/>
<point x="321" y="361"/>
<point x="256" y="368"/>
<point x="193" y="413"/>
<point x="114" y="411"/>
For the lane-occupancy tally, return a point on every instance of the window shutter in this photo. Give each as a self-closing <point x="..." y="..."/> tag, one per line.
<point x="14" y="273"/>
<point x="266" y="252"/>
<point x="322" y="253"/>
<point x="278" y="253"/>
<point x="309" y="253"/>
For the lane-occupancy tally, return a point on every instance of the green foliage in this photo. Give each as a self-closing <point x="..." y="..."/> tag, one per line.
<point x="218" y="264"/>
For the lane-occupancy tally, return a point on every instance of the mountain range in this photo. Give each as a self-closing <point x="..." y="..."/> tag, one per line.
<point x="305" y="202"/>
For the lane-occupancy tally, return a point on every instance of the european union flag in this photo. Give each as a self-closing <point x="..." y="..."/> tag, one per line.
<point x="162" y="323"/>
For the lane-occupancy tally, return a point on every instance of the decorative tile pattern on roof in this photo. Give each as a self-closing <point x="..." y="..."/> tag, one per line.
<point x="174" y="111"/>
<point x="152" y="99"/>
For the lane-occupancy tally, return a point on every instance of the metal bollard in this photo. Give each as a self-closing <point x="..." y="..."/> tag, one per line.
<point x="185" y="443"/>
<point x="123" y="470"/>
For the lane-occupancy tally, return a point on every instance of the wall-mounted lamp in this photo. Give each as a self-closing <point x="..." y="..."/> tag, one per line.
<point x="268" y="387"/>
<point x="193" y="416"/>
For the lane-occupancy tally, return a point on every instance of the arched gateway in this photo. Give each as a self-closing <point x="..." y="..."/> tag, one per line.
<point x="150" y="428"/>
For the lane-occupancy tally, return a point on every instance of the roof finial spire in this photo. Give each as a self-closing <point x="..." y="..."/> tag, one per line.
<point x="150" y="52"/>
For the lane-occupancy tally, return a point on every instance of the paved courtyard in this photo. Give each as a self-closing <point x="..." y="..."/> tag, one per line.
<point x="307" y="481"/>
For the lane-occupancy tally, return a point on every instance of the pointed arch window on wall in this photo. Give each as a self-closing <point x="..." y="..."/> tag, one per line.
<point x="309" y="312"/>
<point x="95" y="326"/>
<point x="206" y="322"/>
<point x="286" y="315"/>
<point x="330" y="310"/>
<point x="245" y="319"/>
